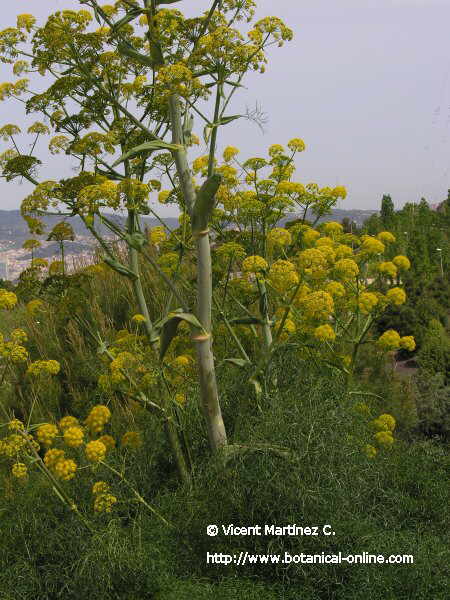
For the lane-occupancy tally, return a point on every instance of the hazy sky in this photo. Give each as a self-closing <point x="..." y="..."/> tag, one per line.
<point x="366" y="84"/>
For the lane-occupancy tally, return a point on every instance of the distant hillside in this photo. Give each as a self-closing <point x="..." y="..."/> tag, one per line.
<point x="14" y="231"/>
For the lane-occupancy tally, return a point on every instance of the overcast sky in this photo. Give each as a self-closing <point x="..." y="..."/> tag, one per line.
<point x="366" y="84"/>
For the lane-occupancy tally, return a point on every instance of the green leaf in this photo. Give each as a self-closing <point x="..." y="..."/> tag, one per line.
<point x="128" y="50"/>
<point x="238" y="362"/>
<point x="246" y="321"/>
<point x="189" y="318"/>
<point x="119" y="268"/>
<point x="137" y="240"/>
<point x="168" y="332"/>
<point x="132" y="14"/>
<point x="226" y="120"/>
<point x="204" y="203"/>
<point x="147" y="147"/>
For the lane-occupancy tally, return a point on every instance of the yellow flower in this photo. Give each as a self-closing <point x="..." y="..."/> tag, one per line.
<point x="43" y="368"/>
<point x="138" y="318"/>
<point x="313" y="263"/>
<point x="386" y="237"/>
<point x="387" y="268"/>
<point x="33" y="306"/>
<point x="402" y="262"/>
<point x="229" y="153"/>
<point x="346" y="268"/>
<point x="278" y="236"/>
<point x="388" y="421"/>
<point x="104" y="502"/>
<point x="324" y="241"/>
<point x="390" y="340"/>
<point x="253" y="264"/>
<point x="325" y="333"/>
<point x="73" y="436"/>
<point x="19" y="470"/>
<point x="367" y="302"/>
<point x="335" y="288"/>
<point x="296" y="145"/>
<point x="25" y="21"/>
<point x="343" y="251"/>
<point x="157" y="235"/>
<point x="275" y="150"/>
<point x="19" y="336"/>
<point x="282" y="275"/>
<point x="384" y="438"/>
<point x="8" y="300"/>
<point x="100" y="487"/>
<point x="371" y="245"/>
<point x="396" y="296"/>
<point x="408" y="343"/>
<point x="68" y="421"/>
<point x="47" y="433"/>
<point x="65" y="469"/>
<point x="362" y="408"/>
<point x="18" y="354"/>
<point x="317" y="305"/>
<point x="16" y="425"/>
<point x="97" y="418"/>
<point x="370" y="451"/>
<point x="310" y="236"/>
<point x="109" y="442"/>
<point x="180" y="399"/>
<point x="95" y="451"/>
<point x="163" y="196"/>
<point x="131" y="439"/>
<point x="52" y="456"/>
<point x="333" y="228"/>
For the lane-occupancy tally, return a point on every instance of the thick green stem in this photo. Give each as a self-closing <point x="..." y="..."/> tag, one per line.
<point x="207" y="375"/>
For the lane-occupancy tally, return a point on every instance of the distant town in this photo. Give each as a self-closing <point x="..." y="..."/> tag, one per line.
<point x="14" y="232"/>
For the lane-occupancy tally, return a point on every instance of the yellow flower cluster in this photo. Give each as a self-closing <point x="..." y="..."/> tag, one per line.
<point x="100" y="487"/>
<point x="317" y="305"/>
<point x="138" y="318"/>
<point x="372" y="246"/>
<point x="97" y="418"/>
<point x="19" y="470"/>
<point x="401" y="262"/>
<point x="229" y="153"/>
<point x="8" y="300"/>
<point x="74" y="437"/>
<point x="47" y="433"/>
<point x="67" y="422"/>
<point x="325" y="333"/>
<point x="43" y="368"/>
<point x="95" y="451"/>
<point x="346" y="268"/>
<point x="104" y="502"/>
<point x="282" y="275"/>
<point x="396" y="296"/>
<point x="386" y="237"/>
<point x="390" y="340"/>
<point x="65" y="469"/>
<point x="131" y="439"/>
<point x="279" y="237"/>
<point x="367" y="301"/>
<point x="157" y="235"/>
<point x="254" y="264"/>
<point x="387" y="268"/>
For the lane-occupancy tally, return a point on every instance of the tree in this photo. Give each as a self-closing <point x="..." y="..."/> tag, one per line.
<point x="122" y="91"/>
<point x="387" y="211"/>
